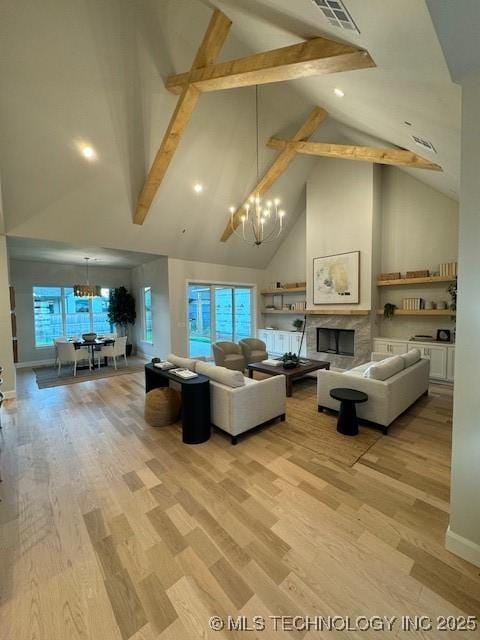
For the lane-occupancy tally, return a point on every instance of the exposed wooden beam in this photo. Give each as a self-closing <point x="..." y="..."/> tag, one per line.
<point x="278" y="167"/>
<point x="207" y="53"/>
<point x="312" y="57"/>
<point x="352" y="152"/>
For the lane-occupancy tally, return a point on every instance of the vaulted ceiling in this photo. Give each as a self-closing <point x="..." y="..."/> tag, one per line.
<point x="78" y="72"/>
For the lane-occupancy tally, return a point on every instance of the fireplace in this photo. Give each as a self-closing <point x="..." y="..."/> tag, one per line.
<point x="337" y="341"/>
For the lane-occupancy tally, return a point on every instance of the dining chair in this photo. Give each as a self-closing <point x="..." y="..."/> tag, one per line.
<point x="55" y="340"/>
<point x="118" y="348"/>
<point x="67" y="354"/>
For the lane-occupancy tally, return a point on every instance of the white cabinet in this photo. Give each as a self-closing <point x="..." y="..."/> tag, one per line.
<point x="450" y="363"/>
<point x="393" y="347"/>
<point x="438" y="359"/>
<point x="280" y="342"/>
<point x="442" y="357"/>
<point x="295" y="339"/>
<point x="267" y="335"/>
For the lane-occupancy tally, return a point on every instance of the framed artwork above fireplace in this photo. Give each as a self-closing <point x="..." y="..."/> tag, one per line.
<point x="336" y="279"/>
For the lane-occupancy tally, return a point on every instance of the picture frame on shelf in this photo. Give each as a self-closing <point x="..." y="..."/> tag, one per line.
<point x="336" y="279"/>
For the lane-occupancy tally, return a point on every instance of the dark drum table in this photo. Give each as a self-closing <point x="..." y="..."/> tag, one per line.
<point x="290" y="374"/>
<point x="347" y="418"/>
<point x="196" y="427"/>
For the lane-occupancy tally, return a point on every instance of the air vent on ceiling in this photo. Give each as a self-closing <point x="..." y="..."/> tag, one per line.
<point x="425" y="144"/>
<point x="337" y="14"/>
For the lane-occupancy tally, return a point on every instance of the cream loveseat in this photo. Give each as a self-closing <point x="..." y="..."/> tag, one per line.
<point x="237" y="403"/>
<point x="392" y="384"/>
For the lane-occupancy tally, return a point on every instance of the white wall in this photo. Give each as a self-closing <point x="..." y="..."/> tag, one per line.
<point x="339" y="219"/>
<point x="287" y="265"/>
<point x="24" y="275"/>
<point x="6" y="353"/>
<point x="419" y="231"/>
<point x="180" y="271"/>
<point x="155" y="275"/>
<point x="463" y="536"/>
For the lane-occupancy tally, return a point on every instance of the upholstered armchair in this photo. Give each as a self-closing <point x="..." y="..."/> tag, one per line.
<point x="228" y="355"/>
<point x="253" y="349"/>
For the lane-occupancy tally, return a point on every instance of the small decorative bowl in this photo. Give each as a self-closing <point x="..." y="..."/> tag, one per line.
<point x="89" y="337"/>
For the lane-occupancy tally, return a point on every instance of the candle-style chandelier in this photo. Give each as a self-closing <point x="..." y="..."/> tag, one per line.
<point x="260" y="222"/>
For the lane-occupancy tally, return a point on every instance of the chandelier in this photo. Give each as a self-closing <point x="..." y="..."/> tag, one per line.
<point x="260" y="222"/>
<point x="86" y="290"/>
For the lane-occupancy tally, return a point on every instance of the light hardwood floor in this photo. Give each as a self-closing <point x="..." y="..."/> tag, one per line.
<point x="113" y="530"/>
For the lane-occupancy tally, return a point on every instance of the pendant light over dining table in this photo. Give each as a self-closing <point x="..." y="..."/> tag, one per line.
<point x="86" y="290"/>
<point x="260" y="222"/>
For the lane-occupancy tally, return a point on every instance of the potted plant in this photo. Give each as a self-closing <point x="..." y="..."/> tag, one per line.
<point x="452" y="290"/>
<point x="121" y="311"/>
<point x="389" y="310"/>
<point x="290" y="360"/>
<point x="298" y="324"/>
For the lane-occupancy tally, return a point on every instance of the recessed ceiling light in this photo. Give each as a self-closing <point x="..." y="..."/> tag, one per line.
<point x="339" y="93"/>
<point x="88" y="153"/>
<point x="198" y="188"/>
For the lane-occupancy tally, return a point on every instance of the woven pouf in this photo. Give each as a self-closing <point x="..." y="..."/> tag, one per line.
<point x="162" y="406"/>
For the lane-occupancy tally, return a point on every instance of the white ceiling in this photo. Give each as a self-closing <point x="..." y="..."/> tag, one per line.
<point x="92" y="71"/>
<point x="62" y="253"/>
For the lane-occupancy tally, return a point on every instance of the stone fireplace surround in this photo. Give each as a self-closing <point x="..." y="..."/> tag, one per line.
<point x="362" y="325"/>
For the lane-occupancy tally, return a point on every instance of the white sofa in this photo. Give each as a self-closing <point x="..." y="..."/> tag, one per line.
<point x="237" y="403"/>
<point x="405" y="379"/>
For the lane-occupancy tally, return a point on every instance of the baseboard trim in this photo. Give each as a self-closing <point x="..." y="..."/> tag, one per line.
<point x="141" y="354"/>
<point x="462" y="547"/>
<point x="35" y="363"/>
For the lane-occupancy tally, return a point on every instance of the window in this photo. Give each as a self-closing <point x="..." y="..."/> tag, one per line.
<point x="218" y="312"/>
<point x="57" y="312"/>
<point x="100" y="321"/>
<point x="147" y="314"/>
<point x="48" y="315"/>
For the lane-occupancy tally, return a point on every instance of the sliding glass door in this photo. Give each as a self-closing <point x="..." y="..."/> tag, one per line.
<point x="216" y="313"/>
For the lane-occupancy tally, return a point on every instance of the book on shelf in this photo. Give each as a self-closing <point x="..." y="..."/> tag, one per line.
<point x="413" y="304"/>
<point x="448" y="269"/>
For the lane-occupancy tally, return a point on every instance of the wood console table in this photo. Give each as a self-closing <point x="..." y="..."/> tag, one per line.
<point x="196" y="426"/>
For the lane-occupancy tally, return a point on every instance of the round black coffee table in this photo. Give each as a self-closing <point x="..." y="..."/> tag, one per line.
<point x="347" y="416"/>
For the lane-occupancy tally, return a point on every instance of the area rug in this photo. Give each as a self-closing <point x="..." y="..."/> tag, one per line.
<point x="47" y="376"/>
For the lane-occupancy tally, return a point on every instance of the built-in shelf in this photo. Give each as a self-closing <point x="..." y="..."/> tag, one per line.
<point x="407" y="281"/>
<point x="420" y="312"/>
<point x="338" y="312"/>
<point x="272" y="292"/>
<point x="319" y="312"/>
<point x="284" y="312"/>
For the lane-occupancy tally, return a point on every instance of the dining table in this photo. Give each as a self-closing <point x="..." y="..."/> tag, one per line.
<point x="92" y="346"/>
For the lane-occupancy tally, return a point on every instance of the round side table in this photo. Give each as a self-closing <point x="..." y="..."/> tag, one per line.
<point x="347" y="417"/>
